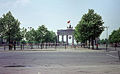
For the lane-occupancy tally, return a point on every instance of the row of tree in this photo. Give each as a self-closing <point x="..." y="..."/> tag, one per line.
<point x="103" y="41"/>
<point x="89" y="28"/>
<point x="115" y="36"/>
<point x="11" y="31"/>
<point x="41" y="35"/>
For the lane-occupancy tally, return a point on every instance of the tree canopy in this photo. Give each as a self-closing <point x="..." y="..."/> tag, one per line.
<point x="42" y="34"/>
<point x="10" y="27"/>
<point x="115" y="36"/>
<point x="11" y="31"/>
<point x="89" y="27"/>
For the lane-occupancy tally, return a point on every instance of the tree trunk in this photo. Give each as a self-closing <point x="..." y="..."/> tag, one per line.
<point x="97" y="46"/>
<point x="86" y="43"/>
<point x="89" y="44"/>
<point x="92" y="43"/>
<point x="41" y="45"/>
<point x="10" y="43"/>
<point x="9" y="39"/>
<point x="96" y="43"/>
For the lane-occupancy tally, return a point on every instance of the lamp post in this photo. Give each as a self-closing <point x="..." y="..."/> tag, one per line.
<point x="31" y="42"/>
<point x="9" y="40"/>
<point x="107" y="37"/>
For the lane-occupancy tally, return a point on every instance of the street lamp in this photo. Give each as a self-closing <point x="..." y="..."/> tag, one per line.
<point x="106" y="37"/>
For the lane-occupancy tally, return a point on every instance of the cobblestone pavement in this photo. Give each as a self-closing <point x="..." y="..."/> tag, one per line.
<point x="59" y="61"/>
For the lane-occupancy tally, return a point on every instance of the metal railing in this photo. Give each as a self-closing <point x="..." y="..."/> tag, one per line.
<point x="28" y="46"/>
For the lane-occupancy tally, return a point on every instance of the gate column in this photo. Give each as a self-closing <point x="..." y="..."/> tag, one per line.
<point x="72" y="39"/>
<point x="67" y="39"/>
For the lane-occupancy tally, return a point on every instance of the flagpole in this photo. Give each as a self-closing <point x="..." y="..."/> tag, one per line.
<point x="69" y="23"/>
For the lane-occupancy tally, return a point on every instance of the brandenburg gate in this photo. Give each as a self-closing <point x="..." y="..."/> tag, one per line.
<point x="66" y="32"/>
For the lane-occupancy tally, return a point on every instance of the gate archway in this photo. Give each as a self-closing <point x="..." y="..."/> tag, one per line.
<point x="66" y="32"/>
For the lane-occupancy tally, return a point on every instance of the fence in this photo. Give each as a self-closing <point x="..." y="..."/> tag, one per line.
<point x="29" y="46"/>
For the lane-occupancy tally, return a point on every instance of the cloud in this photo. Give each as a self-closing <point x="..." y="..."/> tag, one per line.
<point x="22" y="2"/>
<point x="13" y="3"/>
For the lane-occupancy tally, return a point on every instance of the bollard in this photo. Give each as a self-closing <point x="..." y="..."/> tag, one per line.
<point x="21" y="46"/>
<point x="75" y="46"/>
<point x="55" y="45"/>
<point x="46" y="45"/>
<point x="106" y="47"/>
<point x="115" y="46"/>
<point x="65" y="46"/>
<point x="4" y="47"/>
<point x="31" y="46"/>
<point x="41" y="45"/>
<point x="14" y="46"/>
<point x="119" y="55"/>
<point x="38" y="45"/>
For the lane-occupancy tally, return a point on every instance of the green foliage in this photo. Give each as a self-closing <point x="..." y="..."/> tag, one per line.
<point x="23" y="32"/>
<point x="81" y="33"/>
<point x="10" y="27"/>
<point x="40" y="35"/>
<point x="115" y="36"/>
<point x="89" y="27"/>
<point x="30" y="35"/>
<point x="51" y="36"/>
<point x="103" y="41"/>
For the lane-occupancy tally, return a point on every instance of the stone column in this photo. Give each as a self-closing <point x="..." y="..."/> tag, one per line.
<point x="57" y="38"/>
<point x="67" y="39"/>
<point x="72" y="39"/>
<point x="62" y="38"/>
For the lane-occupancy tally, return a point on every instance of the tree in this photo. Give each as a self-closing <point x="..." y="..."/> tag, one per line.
<point x="44" y="35"/>
<point x="89" y="27"/>
<point x="41" y="35"/>
<point x="31" y="35"/>
<point x="115" y="36"/>
<point x="81" y="32"/>
<point x="10" y="28"/>
<point x="23" y="33"/>
<point x="51" y="37"/>
<point x="103" y="41"/>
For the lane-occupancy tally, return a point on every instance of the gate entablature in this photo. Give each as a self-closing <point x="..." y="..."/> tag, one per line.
<point x="66" y="32"/>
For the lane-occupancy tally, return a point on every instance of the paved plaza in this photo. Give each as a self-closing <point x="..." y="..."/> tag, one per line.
<point x="59" y="61"/>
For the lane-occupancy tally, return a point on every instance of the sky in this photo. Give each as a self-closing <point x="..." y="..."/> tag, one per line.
<point x="54" y="14"/>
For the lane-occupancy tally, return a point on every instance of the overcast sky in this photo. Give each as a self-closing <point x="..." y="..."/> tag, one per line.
<point x="55" y="13"/>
